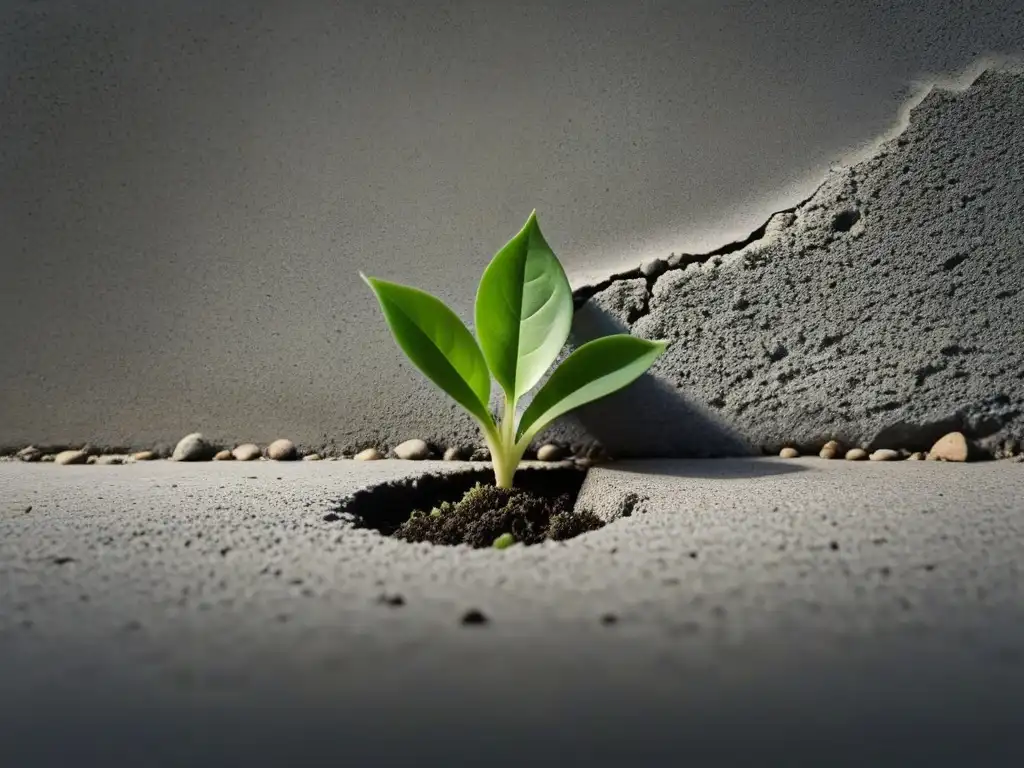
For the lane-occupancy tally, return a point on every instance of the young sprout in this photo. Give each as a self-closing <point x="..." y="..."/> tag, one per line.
<point x="523" y="316"/>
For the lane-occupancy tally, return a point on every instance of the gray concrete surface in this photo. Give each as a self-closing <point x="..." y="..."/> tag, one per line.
<point x="769" y="612"/>
<point x="188" y="190"/>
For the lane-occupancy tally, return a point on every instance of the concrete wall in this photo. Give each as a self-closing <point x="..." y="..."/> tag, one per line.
<point x="189" y="189"/>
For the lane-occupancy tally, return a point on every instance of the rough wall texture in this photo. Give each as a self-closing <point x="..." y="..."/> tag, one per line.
<point x="885" y="310"/>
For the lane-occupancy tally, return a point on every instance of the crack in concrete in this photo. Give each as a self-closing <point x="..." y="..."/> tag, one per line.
<point x="650" y="271"/>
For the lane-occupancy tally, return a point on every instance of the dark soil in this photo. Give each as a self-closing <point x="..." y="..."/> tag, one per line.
<point x="467" y="508"/>
<point x="487" y="512"/>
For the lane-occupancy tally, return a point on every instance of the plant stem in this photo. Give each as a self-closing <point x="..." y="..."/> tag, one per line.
<point x="505" y="453"/>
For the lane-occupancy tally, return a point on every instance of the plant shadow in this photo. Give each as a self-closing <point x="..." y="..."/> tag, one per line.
<point x="649" y="418"/>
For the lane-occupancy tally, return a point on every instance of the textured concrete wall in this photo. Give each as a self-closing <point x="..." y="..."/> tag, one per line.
<point x="188" y="190"/>
<point x="886" y="310"/>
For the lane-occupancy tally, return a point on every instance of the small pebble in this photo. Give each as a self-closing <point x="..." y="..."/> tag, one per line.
<point x="281" y="450"/>
<point x="453" y="454"/>
<point x="144" y="456"/>
<point x="480" y="454"/>
<point x="550" y="452"/>
<point x="110" y="460"/>
<point x="370" y="454"/>
<point x="412" y="450"/>
<point x="91" y="460"/>
<point x="71" y="457"/>
<point x="312" y="457"/>
<point x="193" y="447"/>
<point x="831" y="449"/>
<point x="246" y="452"/>
<point x="856" y="454"/>
<point x="916" y="456"/>
<point x="789" y="453"/>
<point x="951" y="447"/>
<point x="48" y="458"/>
<point x="885" y="454"/>
<point x="224" y="455"/>
<point x="29" y="453"/>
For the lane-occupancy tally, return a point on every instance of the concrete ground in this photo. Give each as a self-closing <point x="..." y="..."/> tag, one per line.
<point x="768" y="612"/>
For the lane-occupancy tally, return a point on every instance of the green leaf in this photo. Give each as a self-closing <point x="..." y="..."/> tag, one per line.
<point x="437" y="343"/>
<point x="596" y="369"/>
<point x="523" y="311"/>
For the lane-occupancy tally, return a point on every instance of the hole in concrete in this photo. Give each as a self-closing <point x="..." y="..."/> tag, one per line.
<point x="539" y="507"/>
<point x="844" y="220"/>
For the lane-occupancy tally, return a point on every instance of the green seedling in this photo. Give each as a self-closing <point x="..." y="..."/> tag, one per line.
<point x="523" y="316"/>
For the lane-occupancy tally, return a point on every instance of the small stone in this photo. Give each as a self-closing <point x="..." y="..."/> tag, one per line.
<point x="412" y="450"/>
<point x="828" y="452"/>
<point x="480" y="454"/>
<point x="224" y="455"/>
<point x="71" y="457"/>
<point x="951" y="447"/>
<point x="109" y="460"/>
<point x="453" y="454"/>
<point x="674" y="260"/>
<point x="193" y="447"/>
<point x="916" y="456"/>
<point x="312" y="457"/>
<point x="246" y="452"/>
<point x="856" y="454"/>
<point x="789" y="453"/>
<point x="550" y="452"/>
<point x="281" y="450"/>
<point x="144" y="455"/>
<point x="653" y="268"/>
<point x="885" y="454"/>
<point x="29" y="453"/>
<point x="473" y="617"/>
<point x="48" y="458"/>
<point x="91" y="459"/>
<point x="370" y="454"/>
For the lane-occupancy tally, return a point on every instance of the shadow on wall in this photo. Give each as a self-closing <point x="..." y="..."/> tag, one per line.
<point x="649" y="418"/>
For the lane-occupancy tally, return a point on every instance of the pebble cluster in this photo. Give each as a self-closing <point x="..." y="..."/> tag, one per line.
<point x="195" y="447"/>
<point x="954" y="446"/>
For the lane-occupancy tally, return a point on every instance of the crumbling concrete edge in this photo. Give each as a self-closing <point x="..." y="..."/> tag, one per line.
<point x="919" y="89"/>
